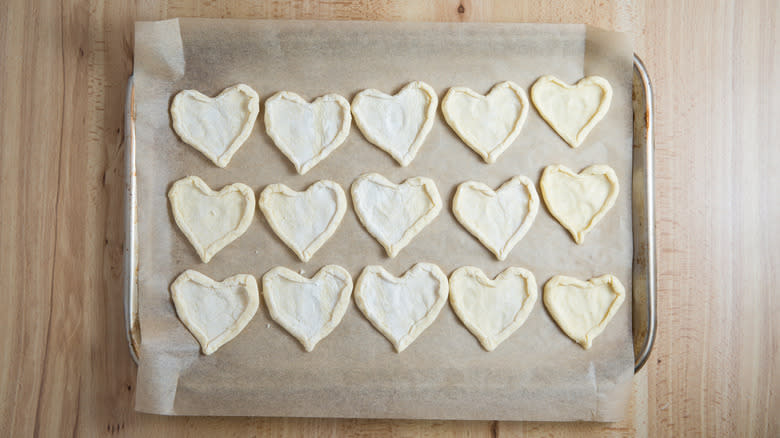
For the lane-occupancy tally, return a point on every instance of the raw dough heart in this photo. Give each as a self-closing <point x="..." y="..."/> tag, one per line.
<point x="499" y="219"/>
<point x="304" y="220"/>
<point x="582" y="309"/>
<point x="492" y="309"/>
<point x="579" y="202"/>
<point x="217" y="126"/>
<point x="397" y="124"/>
<point x="307" y="132"/>
<point x="572" y="110"/>
<point x="395" y="213"/>
<point x="214" y="312"/>
<point x="401" y="308"/>
<point x="488" y="124"/>
<point x="209" y="219"/>
<point x="308" y="308"/>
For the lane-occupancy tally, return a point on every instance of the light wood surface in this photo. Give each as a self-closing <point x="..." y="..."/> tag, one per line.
<point x="64" y="365"/>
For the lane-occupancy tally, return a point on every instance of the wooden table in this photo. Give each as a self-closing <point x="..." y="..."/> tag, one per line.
<point x="64" y="365"/>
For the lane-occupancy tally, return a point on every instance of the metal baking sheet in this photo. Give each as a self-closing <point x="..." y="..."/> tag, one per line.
<point x="643" y="267"/>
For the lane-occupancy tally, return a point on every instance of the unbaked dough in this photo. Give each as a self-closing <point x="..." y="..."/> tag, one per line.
<point x="395" y="213"/>
<point x="487" y="124"/>
<point x="307" y="133"/>
<point x="211" y="220"/>
<point x="572" y="110"/>
<point x="499" y="219"/>
<point x="217" y="126"/>
<point x="579" y="201"/>
<point x="308" y="308"/>
<point x="397" y="124"/>
<point x="401" y="308"/>
<point x="582" y="309"/>
<point x="492" y="309"/>
<point x="304" y="220"/>
<point x="214" y="312"/>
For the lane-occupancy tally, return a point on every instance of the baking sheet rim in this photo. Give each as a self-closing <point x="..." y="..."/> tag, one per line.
<point x="130" y="286"/>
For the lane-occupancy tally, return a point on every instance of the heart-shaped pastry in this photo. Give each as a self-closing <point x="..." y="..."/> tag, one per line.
<point x="308" y="308"/>
<point x="209" y="219"/>
<point x="499" y="219"/>
<point x="304" y="220"/>
<point x="397" y="124"/>
<point x="307" y="133"/>
<point x="579" y="201"/>
<point x="395" y="213"/>
<point x="492" y="309"/>
<point x="214" y="312"/>
<point x="401" y="308"/>
<point x="582" y="309"/>
<point x="572" y="110"/>
<point x="487" y="124"/>
<point x="217" y="126"/>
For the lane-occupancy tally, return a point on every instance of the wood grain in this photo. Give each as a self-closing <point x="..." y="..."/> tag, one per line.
<point x="715" y="370"/>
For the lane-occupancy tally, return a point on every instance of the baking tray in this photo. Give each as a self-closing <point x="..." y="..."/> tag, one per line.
<point x="644" y="270"/>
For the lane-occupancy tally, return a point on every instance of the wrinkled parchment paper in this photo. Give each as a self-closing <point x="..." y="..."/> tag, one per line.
<point x="536" y="374"/>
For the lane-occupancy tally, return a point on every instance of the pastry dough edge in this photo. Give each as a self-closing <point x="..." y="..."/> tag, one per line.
<point x="595" y="169"/>
<point x="606" y="101"/>
<point x="207" y="253"/>
<point x="490" y="343"/>
<point x="517" y="236"/>
<point x="338" y="311"/>
<point x="342" y="135"/>
<point x="419" y="326"/>
<point x="182" y="311"/>
<point x="492" y="155"/>
<point x="246" y="130"/>
<point x="422" y="134"/>
<point x="307" y="253"/>
<point x="562" y="280"/>
<point x="430" y="189"/>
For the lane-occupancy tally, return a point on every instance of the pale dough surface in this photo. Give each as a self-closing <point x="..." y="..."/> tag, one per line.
<point x="395" y="213"/>
<point x="211" y="220"/>
<point x="218" y="126"/>
<point x="572" y="110"/>
<point x="579" y="201"/>
<point x="492" y="309"/>
<point x="307" y="133"/>
<point x="500" y="218"/>
<point x="214" y="312"/>
<point x="397" y="124"/>
<point x="309" y="309"/>
<point x="401" y="308"/>
<point x="487" y="124"/>
<point x="304" y="220"/>
<point x="582" y="309"/>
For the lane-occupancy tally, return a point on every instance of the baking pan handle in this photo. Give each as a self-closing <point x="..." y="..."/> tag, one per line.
<point x="644" y="271"/>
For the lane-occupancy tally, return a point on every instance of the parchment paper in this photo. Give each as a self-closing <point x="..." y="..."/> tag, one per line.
<point x="536" y="374"/>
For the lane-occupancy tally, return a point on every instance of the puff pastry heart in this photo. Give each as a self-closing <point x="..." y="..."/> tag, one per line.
<point x="500" y="218"/>
<point x="401" y="308"/>
<point x="214" y="312"/>
<point x="218" y="126"/>
<point x="487" y="124"/>
<point x="397" y="124"/>
<point x="572" y="110"/>
<point x="492" y="309"/>
<point x="579" y="201"/>
<point x="307" y="133"/>
<point x="582" y="309"/>
<point x="211" y="220"/>
<point x="304" y="220"/>
<point x="308" y="308"/>
<point x="395" y="213"/>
